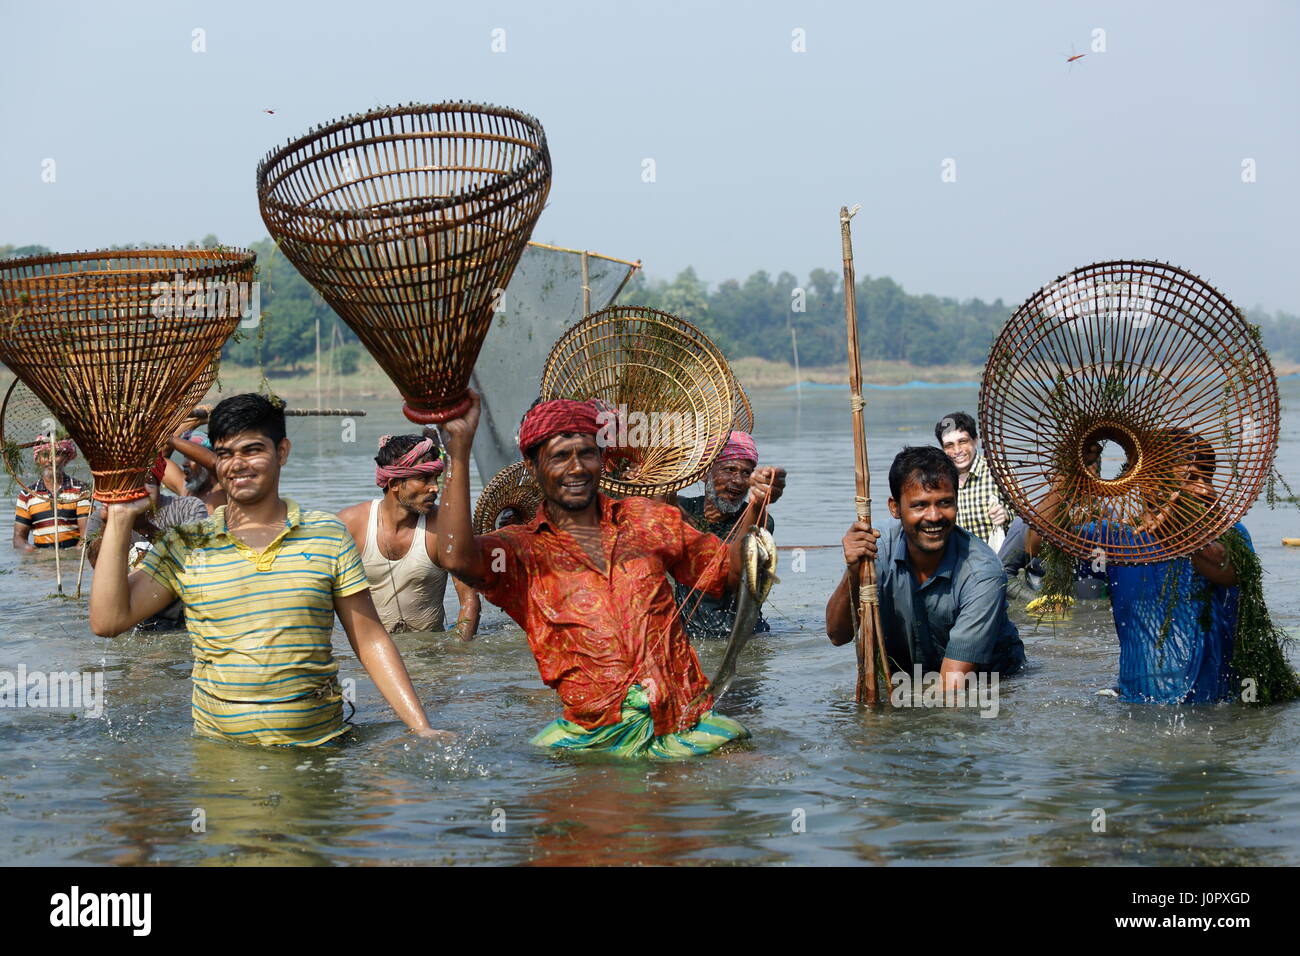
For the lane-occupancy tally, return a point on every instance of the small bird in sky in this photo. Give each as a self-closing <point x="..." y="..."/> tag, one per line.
<point x="272" y="112"/>
<point x="1069" y="59"/>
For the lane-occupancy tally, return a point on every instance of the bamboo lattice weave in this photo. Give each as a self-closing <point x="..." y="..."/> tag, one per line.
<point x="115" y="349"/>
<point x="641" y="364"/>
<point x="409" y="222"/>
<point x="1146" y="358"/>
<point x="513" y="490"/>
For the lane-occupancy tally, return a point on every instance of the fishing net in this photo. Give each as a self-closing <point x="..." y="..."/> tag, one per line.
<point x="511" y="497"/>
<point x="666" y="393"/>
<point x="543" y="301"/>
<point x="1153" y="360"/>
<point x="116" y="343"/>
<point x="409" y="222"/>
<point x="25" y="430"/>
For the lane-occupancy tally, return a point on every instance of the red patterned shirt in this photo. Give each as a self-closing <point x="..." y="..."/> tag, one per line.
<point x="596" y="633"/>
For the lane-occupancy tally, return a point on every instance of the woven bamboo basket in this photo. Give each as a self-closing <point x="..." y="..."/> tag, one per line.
<point x="409" y="222"/>
<point x="743" y="419"/>
<point x="512" y="494"/>
<point x="1146" y="358"/>
<point x="114" y="348"/>
<point x="646" y="367"/>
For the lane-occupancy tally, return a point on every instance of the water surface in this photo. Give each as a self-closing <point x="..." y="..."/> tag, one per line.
<point x="821" y="782"/>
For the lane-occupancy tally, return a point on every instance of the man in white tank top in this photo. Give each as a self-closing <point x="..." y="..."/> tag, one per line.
<point x="397" y="538"/>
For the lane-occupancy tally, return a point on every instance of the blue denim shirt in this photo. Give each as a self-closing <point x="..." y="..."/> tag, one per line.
<point x="960" y="612"/>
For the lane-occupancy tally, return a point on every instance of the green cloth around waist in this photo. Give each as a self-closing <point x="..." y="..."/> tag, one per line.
<point x="634" y="734"/>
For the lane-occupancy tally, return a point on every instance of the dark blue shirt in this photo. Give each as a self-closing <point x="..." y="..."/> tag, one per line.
<point x="960" y="612"/>
<point x="1192" y="663"/>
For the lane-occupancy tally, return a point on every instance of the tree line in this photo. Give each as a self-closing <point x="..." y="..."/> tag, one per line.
<point x="753" y="317"/>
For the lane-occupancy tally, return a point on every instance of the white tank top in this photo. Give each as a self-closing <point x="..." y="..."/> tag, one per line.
<point x="408" y="593"/>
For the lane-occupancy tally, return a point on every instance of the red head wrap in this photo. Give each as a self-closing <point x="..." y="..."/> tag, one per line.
<point x="65" y="448"/>
<point x="406" y="467"/>
<point x="555" y="418"/>
<point x="739" y="445"/>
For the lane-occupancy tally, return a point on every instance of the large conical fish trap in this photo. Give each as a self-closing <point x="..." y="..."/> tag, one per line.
<point x="409" y="222"/>
<point x="116" y="344"/>
<point x="665" y="391"/>
<point x="1146" y="360"/>
<point x="511" y="497"/>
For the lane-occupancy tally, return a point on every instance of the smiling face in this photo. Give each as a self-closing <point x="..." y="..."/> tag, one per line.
<point x="927" y="515"/>
<point x="248" y="466"/>
<point x="567" y="469"/>
<point x="960" y="449"/>
<point x="730" y="484"/>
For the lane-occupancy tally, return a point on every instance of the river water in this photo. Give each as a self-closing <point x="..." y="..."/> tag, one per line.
<point x="1059" y="776"/>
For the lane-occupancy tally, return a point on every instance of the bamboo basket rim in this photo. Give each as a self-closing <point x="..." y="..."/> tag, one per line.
<point x="1189" y="385"/>
<point x="538" y="153"/>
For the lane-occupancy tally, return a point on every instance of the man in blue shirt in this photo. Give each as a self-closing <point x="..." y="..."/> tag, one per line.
<point x="942" y="592"/>
<point x="1175" y="619"/>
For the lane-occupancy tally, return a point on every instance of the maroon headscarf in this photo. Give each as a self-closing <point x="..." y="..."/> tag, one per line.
<point x="406" y="466"/>
<point x="556" y="417"/>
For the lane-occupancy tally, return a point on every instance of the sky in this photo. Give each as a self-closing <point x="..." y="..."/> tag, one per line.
<point x="986" y="164"/>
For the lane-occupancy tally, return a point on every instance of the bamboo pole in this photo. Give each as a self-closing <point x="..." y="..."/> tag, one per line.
<point x="81" y="567"/>
<point x="54" y="505"/>
<point x="586" y="287"/>
<point x="870" y="638"/>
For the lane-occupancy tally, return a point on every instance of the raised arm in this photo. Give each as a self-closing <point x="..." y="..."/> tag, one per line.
<point x="196" y="453"/>
<point x="382" y="661"/>
<point x="118" y="602"/>
<point x="457" y="551"/>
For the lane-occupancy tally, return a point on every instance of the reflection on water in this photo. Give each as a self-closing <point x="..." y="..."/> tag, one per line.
<point x="820" y="782"/>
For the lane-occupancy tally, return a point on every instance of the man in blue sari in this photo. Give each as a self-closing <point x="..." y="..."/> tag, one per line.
<point x="1176" y="619"/>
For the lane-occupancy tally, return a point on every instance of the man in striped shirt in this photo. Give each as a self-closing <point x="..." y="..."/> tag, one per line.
<point x="262" y="581"/>
<point x="40" y="522"/>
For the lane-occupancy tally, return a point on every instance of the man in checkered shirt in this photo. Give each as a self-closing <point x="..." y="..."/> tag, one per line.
<point x="981" y="509"/>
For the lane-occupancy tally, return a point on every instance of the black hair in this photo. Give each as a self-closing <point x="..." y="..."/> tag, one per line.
<point x="1194" y="449"/>
<point x="958" y="420"/>
<point x="923" y="463"/>
<point x="249" y="412"/>
<point x="399" y="445"/>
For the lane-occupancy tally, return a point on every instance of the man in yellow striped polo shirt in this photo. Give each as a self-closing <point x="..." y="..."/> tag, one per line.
<point x="261" y="580"/>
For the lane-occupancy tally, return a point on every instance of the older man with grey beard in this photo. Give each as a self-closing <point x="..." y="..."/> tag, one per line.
<point x="726" y="493"/>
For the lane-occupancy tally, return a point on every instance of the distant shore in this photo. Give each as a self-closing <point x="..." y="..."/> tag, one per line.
<point x="299" y="386"/>
<point x="754" y="373"/>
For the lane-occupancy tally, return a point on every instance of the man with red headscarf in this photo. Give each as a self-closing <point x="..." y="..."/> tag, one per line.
<point x="399" y="543"/>
<point x="717" y="512"/>
<point x="54" y="512"/>
<point x="586" y="580"/>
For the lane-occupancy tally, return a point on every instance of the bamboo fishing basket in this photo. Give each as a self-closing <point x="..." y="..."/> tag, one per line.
<point x="116" y="350"/>
<point x="409" y="222"/>
<point x="1154" y="360"/>
<point x="633" y="362"/>
<point x="513" y="490"/>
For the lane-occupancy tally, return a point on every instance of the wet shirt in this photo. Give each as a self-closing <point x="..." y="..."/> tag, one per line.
<point x="976" y="496"/>
<point x="705" y="616"/>
<point x="35" y="510"/>
<point x="1191" y="663"/>
<point x="960" y="612"/>
<point x="596" y="633"/>
<point x="260" y="622"/>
